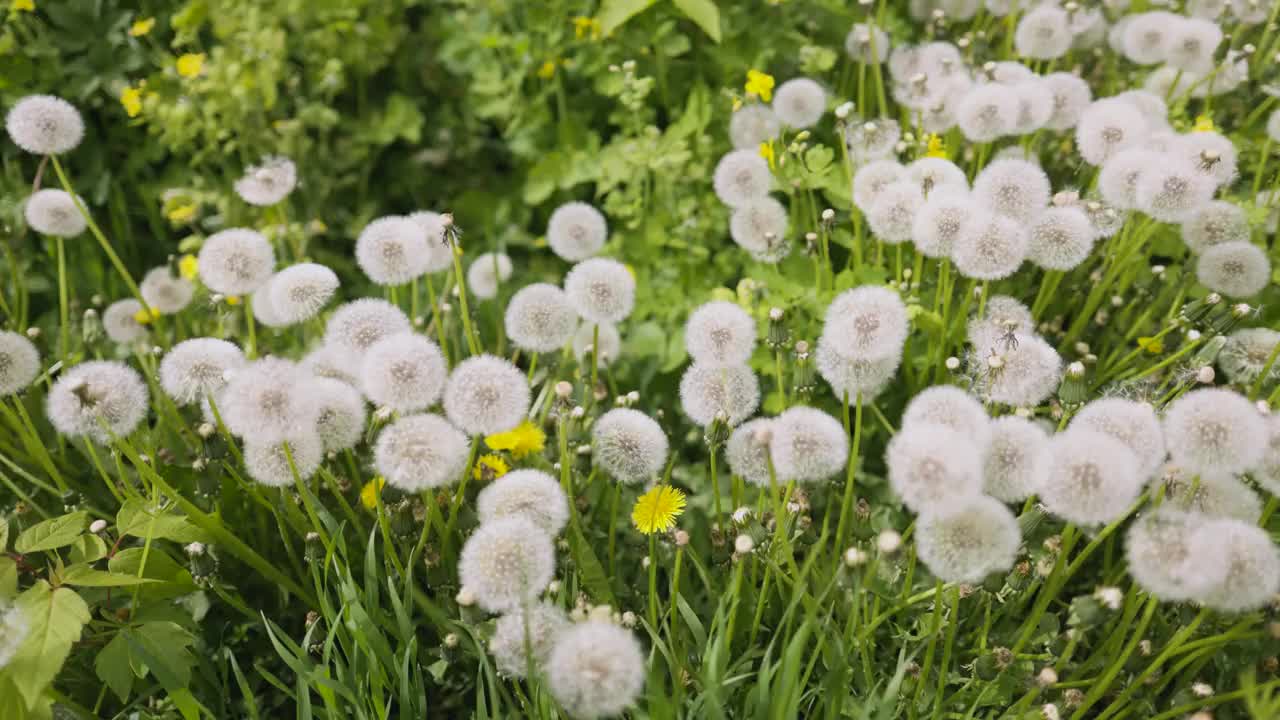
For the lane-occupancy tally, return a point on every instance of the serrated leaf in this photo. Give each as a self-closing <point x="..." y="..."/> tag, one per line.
<point x="52" y="534"/>
<point x="136" y="519"/>
<point x="704" y="14"/>
<point x="55" y="617"/>
<point x="86" y="576"/>
<point x="112" y="666"/>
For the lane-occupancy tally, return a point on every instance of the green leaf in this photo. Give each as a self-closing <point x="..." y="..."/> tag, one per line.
<point x="4" y="534"/>
<point x="88" y="577"/>
<point x="136" y="519"/>
<point x="51" y="534"/>
<point x="112" y="666"/>
<point x="55" y="617"/>
<point x="88" y="548"/>
<point x="163" y="647"/>
<point x="589" y="567"/>
<point x="8" y="578"/>
<point x="704" y="13"/>
<point x="615" y="13"/>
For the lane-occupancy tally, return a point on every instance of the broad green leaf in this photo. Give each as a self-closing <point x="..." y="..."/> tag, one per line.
<point x="55" y="617"/>
<point x="14" y="707"/>
<point x="51" y="534"/>
<point x="163" y="646"/>
<point x="704" y="13"/>
<point x="589" y="567"/>
<point x="615" y="13"/>
<point x="159" y="565"/>
<point x="88" y="548"/>
<point x="8" y="578"/>
<point x="136" y="519"/>
<point x="112" y="666"/>
<point x="88" y="577"/>
<point x="4" y="534"/>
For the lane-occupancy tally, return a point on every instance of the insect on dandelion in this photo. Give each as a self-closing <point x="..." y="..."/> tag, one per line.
<point x="657" y="509"/>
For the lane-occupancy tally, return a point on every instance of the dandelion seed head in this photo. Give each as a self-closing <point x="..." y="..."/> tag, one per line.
<point x="870" y="181"/>
<point x="120" y="324"/>
<point x="1167" y="553"/>
<point x="1211" y="495"/>
<point x="1266" y="471"/>
<point x="1108" y="126"/>
<point x="748" y="451"/>
<point x="1214" y="431"/>
<point x="333" y="362"/>
<point x="720" y="332"/>
<point x="97" y="399"/>
<point x="543" y="622"/>
<point x="19" y="363"/>
<point x="576" y="231"/>
<point x="807" y="445"/>
<point x="1215" y="223"/>
<point x="419" y="452"/>
<point x="608" y="346"/>
<point x="1235" y="269"/>
<point x="1118" y="178"/>
<point x="439" y="256"/>
<point x="1014" y="188"/>
<point x="854" y="376"/>
<point x="1003" y="315"/>
<point x="44" y="125"/>
<point x="393" y="250"/>
<point x="987" y="112"/>
<point x="267" y="460"/>
<point x="236" y="261"/>
<point x="1071" y="95"/>
<point x="1134" y="424"/>
<point x="506" y="563"/>
<point x="1012" y="458"/>
<point x="300" y="291"/>
<point x="867" y="44"/>
<point x="1035" y="105"/>
<point x="1191" y="44"/>
<point x="1043" y="33"/>
<point x="799" y="103"/>
<point x="340" y="418"/>
<point x="1172" y="190"/>
<point x="1252" y="565"/>
<point x="596" y="670"/>
<point x="601" y="290"/>
<point x="1060" y="238"/>
<point x="872" y="140"/>
<point x="967" y="540"/>
<point x="941" y="220"/>
<point x="195" y="368"/>
<point x="866" y="323"/>
<point x="487" y="273"/>
<point x="269" y="182"/>
<point x="990" y="247"/>
<point x="265" y="400"/>
<point x="893" y="214"/>
<point x="1146" y="36"/>
<point x="935" y="174"/>
<point x="760" y="228"/>
<point x="931" y="464"/>
<point x="486" y="395"/>
<point x="404" y="372"/>
<point x="741" y="176"/>
<point x="355" y="326"/>
<point x="530" y="494"/>
<point x="628" y="445"/>
<point x="166" y="292"/>
<point x="1088" y="477"/>
<point x="707" y="389"/>
<point x="1245" y="355"/>
<point x="1027" y="373"/>
<point x="1211" y="154"/>
<point x="54" y="213"/>
<point x="752" y="125"/>
<point x="264" y="309"/>
<point x="951" y="407"/>
<point x="539" y="318"/>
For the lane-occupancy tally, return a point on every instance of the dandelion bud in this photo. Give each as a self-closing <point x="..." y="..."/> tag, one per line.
<point x="1049" y="711"/>
<point x="888" y="542"/>
<point x="1205" y="375"/>
<point x="97" y="526"/>
<point x="578" y="412"/>
<point x="1046" y="677"/>
<point x="853" y="557"/>
<point x="465" y="598"/>
<point x="743" y="544"/>
<point x="953" y="363"/>
<point x="564" y="390"/>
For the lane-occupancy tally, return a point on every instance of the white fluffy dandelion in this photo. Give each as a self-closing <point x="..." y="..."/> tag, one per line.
<point x="439" y="251"/>
<point x="44" y="125"/>
<point x="987" y="112"/>
<point x="1252" y="566"/>
<point x="872" y="140"/>
<point x="1014" y="188"/>
<point x="19" y="363"/>
<point x="269" y="461"/>
<point x="54" y="213"/>
<point x="1212" y="495"/>
<point x="1146" y="36"/>
<point x="1212" y="155"/>
<point x="264" y="309"/>
<point x="1172" y="190"/>
<point x="871" y="180"/>
<point x="166" y="292"/>
<point x="1071" y="95"/>
<point x="1168" y="555"/>
<point x="967" y="540"/>
<point x="355" y="326"/>
<point x="807" y="445"/>
<point x="392" y="250"/>
<point x="404" y="372"/>
<point x="194" y="369"/>
<point x="601" y="290"/>
<point x="333" y="362"/>
<point x="1215" y="223"/>
<point x="1191" y="44"/>
<point x="990" y="247"/>
<point x="1245" y="355"/>
<point x="236" y="261"/>
<point x="487" y="272"/>
<point x="506" y="563"/>
<point x="760" y="228"/>
<point x="1011" y="462"/>
<point x="940" y="221"/>
<point x="1118" y="178"/>
<point x="1060" y="238"/>
<point x="741" y="176"/>
<point x="576" y="231"/>
<point x="120" y="322"/>
<point x="951" y="407"/>
<point x="539" y="318"/>
<point x="1108" y="126"/>
<point x="1025" y="371"/>
<point x="628" y="445"/>
<point x="602" y="338"/>
<point x="931" y="464"/>
<point x="1043" y="33"/>
<point x="708" y="389"/>
<point x="486" y="395"/>
<point x="866" y="323"/>
<point x="341" y="415"/>
<point x="419" y="452"/>
<point x="1003" y="315"/>
<point x="526" y="637"/>
<point x="752" y="125"/>
<point x="1214" y="431"/>
<point x="850" y="377"/>
<point x="300" y="291"/>
<point x="98" y="399"/>
<point x="867" y="44"/>
<point x="265" y="400"/>
<point x="531" y="494"/>
<point x="892" y="216"/>
<point x="596" y="670"/>
<point x="1266" y="471"/>
<point x="1088" y="477"/>
<point x="799" y="103"/>
<point x="748" y="451"/>
<point x="269" y="182"/>
<point x="933" y="174"/>
<point x="720" y="332"/>
<point x="1132" y="423"/>
<point x="1235" y="269"/>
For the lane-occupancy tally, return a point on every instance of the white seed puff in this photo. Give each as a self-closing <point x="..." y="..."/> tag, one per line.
<point x="720" y="332"/>
<point x="596" y="670"/>
<point x="54" y="213"/>
<point x="807" y="445"/>
<point x="628" y="445"/>
<point x="708" y="389"/>
<point x="601" y="290"/>
<point x="506" y="563"/>
<point x="540" y="318"/>
<point x="19" y="363"/>
<point x="576" y="231"/>
<point x="236" y="261"/>
<point x="44" y="125"/>
<point x="98" y="399"/>
<point x="969" y="539"/>
<point x="404" y="372"/>
<point x="531" y="494"/>
<point x="486" y="395"/>
<point x="418" y="452"/>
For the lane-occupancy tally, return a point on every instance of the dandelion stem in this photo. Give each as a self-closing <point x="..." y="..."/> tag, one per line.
<point x="64" y="312"/>
<point x="846" y="504"/>
<point x="715" y="483"/>
<point x="472" y="344"/>
<point x="251" y="347"/>
<point x="97" y="232"/>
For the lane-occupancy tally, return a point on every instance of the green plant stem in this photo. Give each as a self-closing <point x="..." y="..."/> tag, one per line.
<point x="472" y="344"/>
<point x="97" y="232"/>
<point x="846" y="504"/>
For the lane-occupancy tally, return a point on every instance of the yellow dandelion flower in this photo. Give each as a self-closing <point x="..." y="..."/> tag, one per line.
<point x="490" y="467"/>
<point x="131" y="99"/>
<point x="1204" y="123"/>
<point x="759" y="84"/>
<point x="548" y="70"/>
<point x="521" y="440"/>
<point x="936" y="147"/>
<point x="586" y="27"/>
<point x="189" y="266"/>
<point x="23" y="6"/>
<point x="657" y="510"/>
<point x="141" y="27"/>
<point x="181" y="213"/>
<point x="766" y="152"/>
<point x="233" y="299"/>
<point x="190" y="64"/>
<point x="146" y="316"/>
<point x="369" y="493"/>
<point x="1151" y="345"/>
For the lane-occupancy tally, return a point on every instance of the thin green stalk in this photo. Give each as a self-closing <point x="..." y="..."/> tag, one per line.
<point x="472" y="344"/>
<point x="97" y="232"/>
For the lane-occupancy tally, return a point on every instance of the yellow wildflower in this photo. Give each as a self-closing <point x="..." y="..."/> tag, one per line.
<point x="1204" y="123"/>
<point x="181" y="213"/>
<point x="490" y="467"/>
<point x="766" y="152"/>
<point x="131" y="99"/>
<point x="190" y="64"/>
<point x="1151" y="345"/>
<point x="188" y="266"/>
<point x="657" y="510"/>
<point x="521" y="440"/>
<point x="586" y="27"/>
<point x="141" y="27"/>
<point x="370" y="492"/>
<point x="233" y="299"/>
<point x="936" y="147"/>
<point x="23" y="5"/>
<point x="548" y="70"/>
<point x="760" y="84"/>
<point x="146" y="316"/>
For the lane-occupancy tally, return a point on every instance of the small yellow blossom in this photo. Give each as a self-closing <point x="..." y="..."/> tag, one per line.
<point x="190" y="64"/>
<point x="1204" y="123"/>
<point x="490" y="467"/>
<point x="586" y="27"/>
<point x="146" y="316"/>
<point x="525" y="438"/>
<point x="657" y="510"/>
<point x="233" y="299"/>
<point x="181" y="213"/>
<point x="188" y="266"/>
<point x="23" y="6"/>
<point x="369" y="493"/>
<point x="1151" y="345"/>
<point x="141" y="27"/>
<point x="936" y="147"/>
<point x="766" y="152"/>
<point x="548" y="70"/>
<point x="760" y="84"/>
<point x="131" y="99"/>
